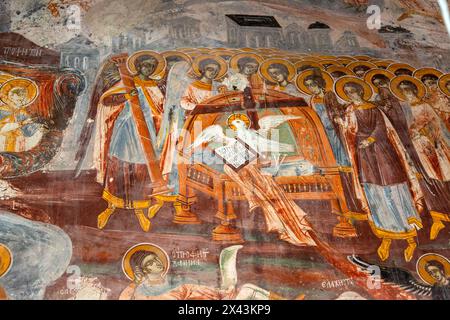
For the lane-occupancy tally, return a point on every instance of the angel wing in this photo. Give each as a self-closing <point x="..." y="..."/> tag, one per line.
<point x="211" y="133"/>
<point x="261" y="144"/>
<point x="177" y="82"/>
<point x="395" y="276"/>
<point x="107" y="77"/>
<point x="271" y="122"/>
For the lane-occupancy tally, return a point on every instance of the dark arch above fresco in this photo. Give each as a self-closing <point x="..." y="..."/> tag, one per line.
<point x="224" y="150"/>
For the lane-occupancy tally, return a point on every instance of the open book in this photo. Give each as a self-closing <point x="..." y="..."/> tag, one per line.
<point x="236" y="154"/>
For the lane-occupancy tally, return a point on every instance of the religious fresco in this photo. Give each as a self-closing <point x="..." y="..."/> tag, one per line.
<point x="281" y="154"/>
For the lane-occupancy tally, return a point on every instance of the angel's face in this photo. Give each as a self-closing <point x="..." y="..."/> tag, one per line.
<point x="409" y="91"/>
<point x="250" y="68"/>
<point x="211" y="71"/>
<point x="353" y="93"/>
<point x="277" y="74"/>
<point x="313" y="86"/>
<point x="380" y="82"/>
<point x="447" y="85"/>
<point x="430" y="82"/>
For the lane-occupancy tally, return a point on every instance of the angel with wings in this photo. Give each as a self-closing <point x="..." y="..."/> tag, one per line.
<point x="282" y="215"/>
<point x="119" y="156"/>
<point x="255" y="139"/>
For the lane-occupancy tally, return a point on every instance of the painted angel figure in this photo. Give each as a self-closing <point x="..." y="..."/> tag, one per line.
<point x="279" y="74"/>
<point x="119" y="155"/>
<point x="430" y="138"/>
<point x="383" y="175"/>
<point x="256" y="139"/>
<point x="261" y="190"/>
<point x="244" y="72"/>
<point x="18" y="131"/>
<point x="319" y="86"/>
<point x="435" y="96"/>
<point x="207" y="69"/>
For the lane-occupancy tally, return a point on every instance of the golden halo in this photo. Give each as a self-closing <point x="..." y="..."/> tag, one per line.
<point x="422" y="262"/>
<point x="345" y="61"/>
<point x="422" y="90"/>
<point x="193" y="53"/>
<point x="184" y="49"/>
<point x="222" y="63"/>
<point x="353" y="65"/>
<point x="29" y="85"/>
<point x="160" y="67"/>
<point x="363" y="58"/>
<point x="293" y="58"/>
<point x="346" y="58"/>
<point x="225" y="54"/>
<point x="6" y="260"/>
<point x="326" y="57"/>
<point x="148" y="247"/>
<point x="371" y="73"/>
<point x="419" y="73"/>
<point x="341" y="82"/>
<point x="307" y="62"/>
<point x="276" y="56"/>
<point x="329" y="62"/>
<point x="442" y="84"/>
<point x="382" y="63"/>
<point x="263" y="49"/>
<point x="264" y="68"/>
<point x="235" y="59"/>
<point x="204" y="50"/>
<point x="302" y="76"/>
<point x="343" y="69"/>
<point x="5" y="77"/>
<point x="249" y="49"/>
<point x="239" y="116"/>
<point x="178" y="54"/>
<point x="396" y="66"/>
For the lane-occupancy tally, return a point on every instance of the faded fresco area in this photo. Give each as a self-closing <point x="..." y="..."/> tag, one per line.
<point x="223" y="150"/>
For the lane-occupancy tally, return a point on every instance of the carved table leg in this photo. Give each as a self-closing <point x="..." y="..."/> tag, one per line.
<point x="183" y="213"/>
<point x="225" y="231"/>
<point x="344" y="228"/>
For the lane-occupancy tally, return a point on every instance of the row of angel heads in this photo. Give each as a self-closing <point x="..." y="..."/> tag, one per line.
<point x="279" y="68"/>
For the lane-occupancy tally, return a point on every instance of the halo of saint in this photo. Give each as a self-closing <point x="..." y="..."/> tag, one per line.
<point x="6" y="260"/>
<point x="425" y="261"/>
<point x="139" y="252"/>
